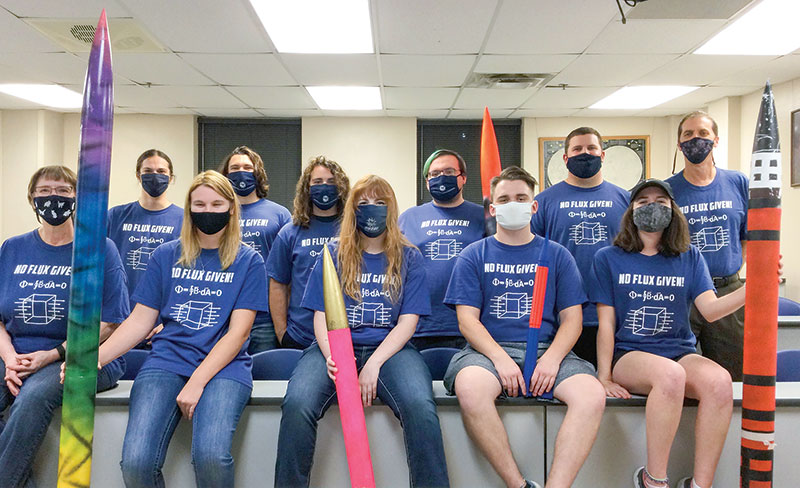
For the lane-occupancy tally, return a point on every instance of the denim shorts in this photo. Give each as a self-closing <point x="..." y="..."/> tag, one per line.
<point x="570" y="365"/>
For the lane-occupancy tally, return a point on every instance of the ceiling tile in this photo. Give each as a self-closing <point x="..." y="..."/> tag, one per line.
<point x="48" y="67"/>
<point x="353" y="113"/>
<point x="421" y="98"/>
<point x="696" y="69"/>
<point x="661" y="112"/>
<point x="590" y="112"/>
<point x="228" y="112"/>
<point x="273" y="97"/>
<point x="88" y="9"/>
<point x="688" y="9"/>
<point x="548" y="27"/>
<point x="202" y="26"/>
<point x="778" y="70"/>
<point x="405" y="70"/>
<point x="477" y="98"/>
<point x="571" y="98"/>
<point x="7" y="102"/>
<point x="653" y="36"/>
<point x="293" y="114"/>
<point x="425" y="27"/>
<point x="478" y="114"/>
<point x="176" y="96"/>
<point x="420" y="114"/>
<point x="162" y="111"/>
<point x="520" y="63"/>
<point x="333" y="69"/>
<point x="158" y="69"/>
<point x="702" y="96"/>
<point x="19" y="37"/>
<point x="544" y="112"/>
<point x="610" y="69"/>
<point x="241" y="69"/>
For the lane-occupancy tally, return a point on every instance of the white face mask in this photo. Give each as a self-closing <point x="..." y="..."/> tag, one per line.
<point x="513" y="215"/>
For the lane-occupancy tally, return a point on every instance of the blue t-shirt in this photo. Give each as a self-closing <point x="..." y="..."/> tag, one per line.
<point x="260" y="222"/>
<point x="441" y="233"/>
<point x="195" y="306"/>
<point x="498" y="279"/>
<point x="293" y="254"/>
<point x="651" y="296"/>
<point x="717" y="216"/>
<point x="375" y="315"/>
<point x="34" y="291"/>
<point x="584" y="220"/>
<point x="137" y="232"/>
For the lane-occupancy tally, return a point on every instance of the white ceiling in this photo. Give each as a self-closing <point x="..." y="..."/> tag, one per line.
<point x="219" y="61"/>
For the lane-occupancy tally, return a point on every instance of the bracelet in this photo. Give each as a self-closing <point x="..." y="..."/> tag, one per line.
<point x="61" y="352"/>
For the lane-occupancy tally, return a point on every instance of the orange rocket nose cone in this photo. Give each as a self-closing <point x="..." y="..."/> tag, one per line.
<point x="335" y="314"/>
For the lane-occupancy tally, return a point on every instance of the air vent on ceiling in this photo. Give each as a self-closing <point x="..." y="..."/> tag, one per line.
<point x="508" y="80"/>
<point x="75" y="35"/>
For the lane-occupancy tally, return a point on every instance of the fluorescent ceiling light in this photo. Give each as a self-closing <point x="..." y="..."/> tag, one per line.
<point x="346" y="97"/>
<point x="769" y="28"/>
<point x="641" y="97"/>
<point x="317" y="26"/>
<point x="55" y="96"/>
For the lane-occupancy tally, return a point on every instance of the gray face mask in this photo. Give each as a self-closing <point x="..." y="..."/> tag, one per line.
<point x="652" y="217"/>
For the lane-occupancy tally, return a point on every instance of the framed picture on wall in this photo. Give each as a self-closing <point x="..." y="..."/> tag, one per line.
<point x="796" y="148"/>
<point x="627" y="160"/>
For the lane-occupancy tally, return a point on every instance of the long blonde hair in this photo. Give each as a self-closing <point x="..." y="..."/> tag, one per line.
<point x="231" y="238"/>
<point x="351" y="241"/>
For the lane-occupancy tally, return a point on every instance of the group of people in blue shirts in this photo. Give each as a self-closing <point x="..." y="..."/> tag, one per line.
<point x="634" y="278"/>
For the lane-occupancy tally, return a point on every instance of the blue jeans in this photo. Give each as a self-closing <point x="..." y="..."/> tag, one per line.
<point x="262" y="337"/>
<point x="30" y="415"/>
<point x="152" y="419"/>
<point x="404" y="384"/>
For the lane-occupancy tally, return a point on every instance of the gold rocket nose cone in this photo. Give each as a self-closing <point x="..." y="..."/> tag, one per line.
<point x="335" y="313"/>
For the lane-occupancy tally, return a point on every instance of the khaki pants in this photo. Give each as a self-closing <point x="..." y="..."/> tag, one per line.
<point x="722" y="341"/>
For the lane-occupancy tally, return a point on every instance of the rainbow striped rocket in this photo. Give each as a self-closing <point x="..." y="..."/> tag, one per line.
<point x="88" y="257"/>
<point x="761" y="302"/>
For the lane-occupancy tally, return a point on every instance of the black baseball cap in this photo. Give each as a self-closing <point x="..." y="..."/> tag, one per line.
<point x="652" y="182"/>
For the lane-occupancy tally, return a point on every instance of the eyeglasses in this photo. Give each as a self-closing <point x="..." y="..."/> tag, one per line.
<point x="46" y="191"/>
<point x="446" y="172"/>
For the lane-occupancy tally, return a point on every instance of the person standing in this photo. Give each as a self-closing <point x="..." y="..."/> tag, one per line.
<point x="582" y="213"/>
<point x="440" y="229"/>
<point x="714" y="201"/>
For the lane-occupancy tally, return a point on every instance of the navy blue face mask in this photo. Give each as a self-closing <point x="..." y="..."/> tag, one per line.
<point x="443" y="188"/>
<point x="155" y="184"/>
<point x="584" y="165"/>
<point x="696" y="150"/>
<point x="244" y="182"/>
<point x="324" y="196"/>
<point x="371" y="219"/>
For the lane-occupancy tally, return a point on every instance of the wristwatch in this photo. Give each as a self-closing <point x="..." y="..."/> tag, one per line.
<point x="61" y="352"/>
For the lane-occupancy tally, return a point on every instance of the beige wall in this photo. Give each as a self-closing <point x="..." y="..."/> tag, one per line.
<point x="176" y="135"/>
<point x="383" y="146"/>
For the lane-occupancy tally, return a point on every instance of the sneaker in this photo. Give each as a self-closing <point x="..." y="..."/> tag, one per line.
<point x="532" y="484"/>
<point x="685" y="483"/>
<point x="638" y="479"/>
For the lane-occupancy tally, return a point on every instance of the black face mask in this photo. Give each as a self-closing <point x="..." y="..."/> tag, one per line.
<point x="54" y="209"/>
<point x="584" y="165"/>
<point x="210" y="222"/>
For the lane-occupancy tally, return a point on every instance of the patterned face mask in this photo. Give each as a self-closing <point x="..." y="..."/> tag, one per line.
<point x="652" y="217"/>
<point x="54" y="209"/>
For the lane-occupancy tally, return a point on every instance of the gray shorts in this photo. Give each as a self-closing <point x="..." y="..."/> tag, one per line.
<point x="570" y="365"/>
